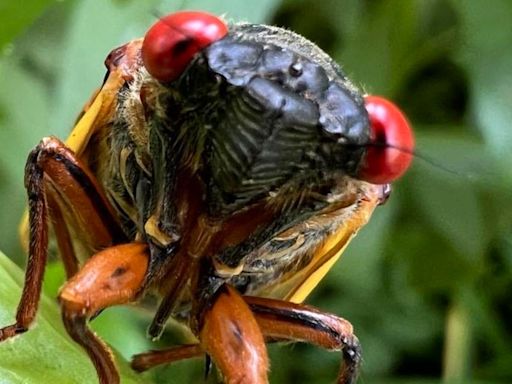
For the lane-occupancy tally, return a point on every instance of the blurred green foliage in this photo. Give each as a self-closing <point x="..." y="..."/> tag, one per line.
<point x="427" y="283"/>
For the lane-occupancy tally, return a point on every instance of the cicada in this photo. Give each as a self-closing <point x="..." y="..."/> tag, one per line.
<point x="222" y="169"/>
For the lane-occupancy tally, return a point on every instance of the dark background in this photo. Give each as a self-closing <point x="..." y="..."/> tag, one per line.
<point x="427" y="284"/>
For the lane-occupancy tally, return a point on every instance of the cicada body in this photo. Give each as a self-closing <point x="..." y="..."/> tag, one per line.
<point x="223" y="169"/>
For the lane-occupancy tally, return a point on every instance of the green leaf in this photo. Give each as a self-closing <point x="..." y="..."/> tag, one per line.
<point x="45" y="354"/>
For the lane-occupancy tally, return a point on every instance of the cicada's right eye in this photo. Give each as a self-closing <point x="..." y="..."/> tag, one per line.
<point x="173" y="41"/>
<point x="392" y="142"/>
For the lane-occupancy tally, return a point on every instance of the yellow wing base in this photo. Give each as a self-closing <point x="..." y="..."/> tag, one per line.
<point x="96" y="113"/>
<point x="298" y="287"/>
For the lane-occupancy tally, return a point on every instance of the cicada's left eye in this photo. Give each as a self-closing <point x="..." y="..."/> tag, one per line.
<point x="172" y="42"/>
<point x="392" y="142"/>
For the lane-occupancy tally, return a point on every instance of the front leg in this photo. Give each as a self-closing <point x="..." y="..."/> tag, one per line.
<point x="54" y="175"/>
<point x="110" y="277"/>
<point x="62" y="190"/>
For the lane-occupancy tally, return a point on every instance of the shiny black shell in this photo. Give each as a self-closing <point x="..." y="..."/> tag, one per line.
<point x="265" y="107"/>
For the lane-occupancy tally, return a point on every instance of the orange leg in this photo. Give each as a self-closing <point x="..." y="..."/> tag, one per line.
<point x="277" y="320"/>
<point x="61" y="189"/>
<point x="112" y="276"/>
<point x="289" y="321"/>
<point x="51" y="167"/>
<point x="64" y="241"/>
<point x="229" y="334"/>
<point x="144" y="361"/>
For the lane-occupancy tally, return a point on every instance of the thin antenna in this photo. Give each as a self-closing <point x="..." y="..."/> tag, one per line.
<point x="416" y="154"/>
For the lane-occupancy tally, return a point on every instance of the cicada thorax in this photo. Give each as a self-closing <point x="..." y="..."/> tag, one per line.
<point x="254" y="144"/>
<point x="270" y="117"/>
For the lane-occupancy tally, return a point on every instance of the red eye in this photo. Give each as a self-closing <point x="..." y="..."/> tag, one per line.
<point x="172" y="42"/>
<point x="392" y="135"/>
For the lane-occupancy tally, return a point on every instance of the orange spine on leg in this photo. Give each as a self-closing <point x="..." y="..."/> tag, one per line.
<point x="231" y="336"/>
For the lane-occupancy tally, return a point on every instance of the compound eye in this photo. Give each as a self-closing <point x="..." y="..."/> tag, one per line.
<point x="172" y="42"/>
<point x="391" y="142"/>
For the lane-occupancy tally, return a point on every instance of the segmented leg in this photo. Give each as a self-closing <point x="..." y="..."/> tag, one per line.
<point x="63" y="236"/>
<point x="194" y="248"/>
<point x="180" y="267"/>
<point x="96" y="349"/>
<point x="52" y="167"/>
<point x="150" y="359"/>
<point x="62" y="189"/>
<point x="284" y="320"/>
<point x="231" y="336"/>
<point x="112" y="276"/>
